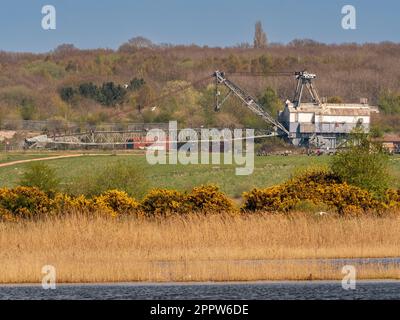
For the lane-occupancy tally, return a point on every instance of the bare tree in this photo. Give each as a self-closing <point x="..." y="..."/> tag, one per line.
<point x="137" y="43"/>
<point x="65" y="48"/>
<point x="260" y="38"/>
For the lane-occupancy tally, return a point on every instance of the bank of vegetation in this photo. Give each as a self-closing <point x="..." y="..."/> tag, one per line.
<point x="94" y="86"/>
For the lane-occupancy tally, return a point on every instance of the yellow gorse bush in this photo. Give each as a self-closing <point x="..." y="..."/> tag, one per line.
<point x="63" y="202"/>
<point x="208" y="198"/>
<point x="6" y="215"/>
<point x="117" y="202"/>
<point x="163" y="202"/>
<point x="392" y="199"/>
<point x="319" y="188"/>
<point x="112" y="202"/>
<point x="25" y="202"/>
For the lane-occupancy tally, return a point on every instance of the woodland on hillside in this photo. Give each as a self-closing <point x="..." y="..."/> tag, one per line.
<point x="103" y="85"/>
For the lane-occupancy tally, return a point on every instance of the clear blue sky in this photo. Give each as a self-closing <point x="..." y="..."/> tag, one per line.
<point x="107" y="24"/>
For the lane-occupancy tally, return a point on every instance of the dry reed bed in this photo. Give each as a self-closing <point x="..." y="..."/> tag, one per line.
<point x="195" y="247"/>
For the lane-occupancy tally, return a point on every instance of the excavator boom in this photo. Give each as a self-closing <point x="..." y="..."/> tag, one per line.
<point x="247" y="99"/>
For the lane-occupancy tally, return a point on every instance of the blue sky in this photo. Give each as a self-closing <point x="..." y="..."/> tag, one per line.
<point x="107" y="24"/>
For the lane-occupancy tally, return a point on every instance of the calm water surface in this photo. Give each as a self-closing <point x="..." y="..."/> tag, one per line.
<point x="236" y="291"/>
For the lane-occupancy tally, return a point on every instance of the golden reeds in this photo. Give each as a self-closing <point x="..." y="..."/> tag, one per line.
<point x="216" y="247"/>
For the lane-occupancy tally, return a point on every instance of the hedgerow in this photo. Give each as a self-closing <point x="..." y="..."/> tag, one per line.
<point x="311" y="190"/>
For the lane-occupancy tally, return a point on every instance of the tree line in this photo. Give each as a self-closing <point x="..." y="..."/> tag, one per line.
<point x="88" y="85"/>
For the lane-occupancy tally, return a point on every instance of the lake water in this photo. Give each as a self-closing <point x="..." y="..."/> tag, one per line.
<point x="235" y="291"/>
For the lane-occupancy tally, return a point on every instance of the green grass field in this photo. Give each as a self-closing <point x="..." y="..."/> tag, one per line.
<point x="9" y="157"/>
<point x="268" y="171"/>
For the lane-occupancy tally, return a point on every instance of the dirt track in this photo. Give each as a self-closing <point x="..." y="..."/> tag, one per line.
<point x="11" y="163"/>
<point x="7" y="164"/>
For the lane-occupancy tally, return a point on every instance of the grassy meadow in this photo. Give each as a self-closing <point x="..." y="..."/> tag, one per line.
<point x="268" y="171"/>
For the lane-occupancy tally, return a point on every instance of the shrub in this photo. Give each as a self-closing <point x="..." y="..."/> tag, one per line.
<point x="344" y="196"/>
<point x="163" y="202"/>
<point x="41" y="176"/>
<point x="363" y="164"/>
<point x="274" y="199"/>
<point x="209" y="198"/>
<point x="121" y="175"/>
<point x="62" y="202"/>
<point x="317" y="175"/>
<point x="310" y="206"/>
<point x="316" y="187"/>
<point x="335" y="99"/>
<point x="6" y="216"/>
<point x="389" y="102"/>
<point x="392" y="199"/>
<point x="25" y="202"/>
<point x="67" y="93"/>
<point x="136" y="84"/>
<point x="352" y="210"/>
<point x="81" y="203"/>
<point x="117" y="201"/>
<point x="65" y="203"/>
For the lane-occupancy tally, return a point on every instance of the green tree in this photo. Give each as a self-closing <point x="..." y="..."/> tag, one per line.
<point x="27" y="109"/>
<point x="271" y="102"/>
<point x="111" y="94"/>
<point x="41" y="176"/>
<point x="89" y="90"/>
<point x="363" y="163"/>
<point x="136" y="84"/>
<point x="389" y="102"/>
<point x="67" y="93"/>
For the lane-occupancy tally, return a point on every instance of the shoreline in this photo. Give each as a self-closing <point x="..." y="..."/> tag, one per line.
<point x="194" y="283"/>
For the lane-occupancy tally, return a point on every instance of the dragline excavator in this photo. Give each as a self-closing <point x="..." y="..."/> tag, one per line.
<point x="304" y="79"/>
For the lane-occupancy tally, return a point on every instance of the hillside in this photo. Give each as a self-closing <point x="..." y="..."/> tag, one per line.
<point x="109" y="86"/>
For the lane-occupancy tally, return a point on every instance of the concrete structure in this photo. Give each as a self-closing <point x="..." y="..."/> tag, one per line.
<point x="324" y="125"/>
